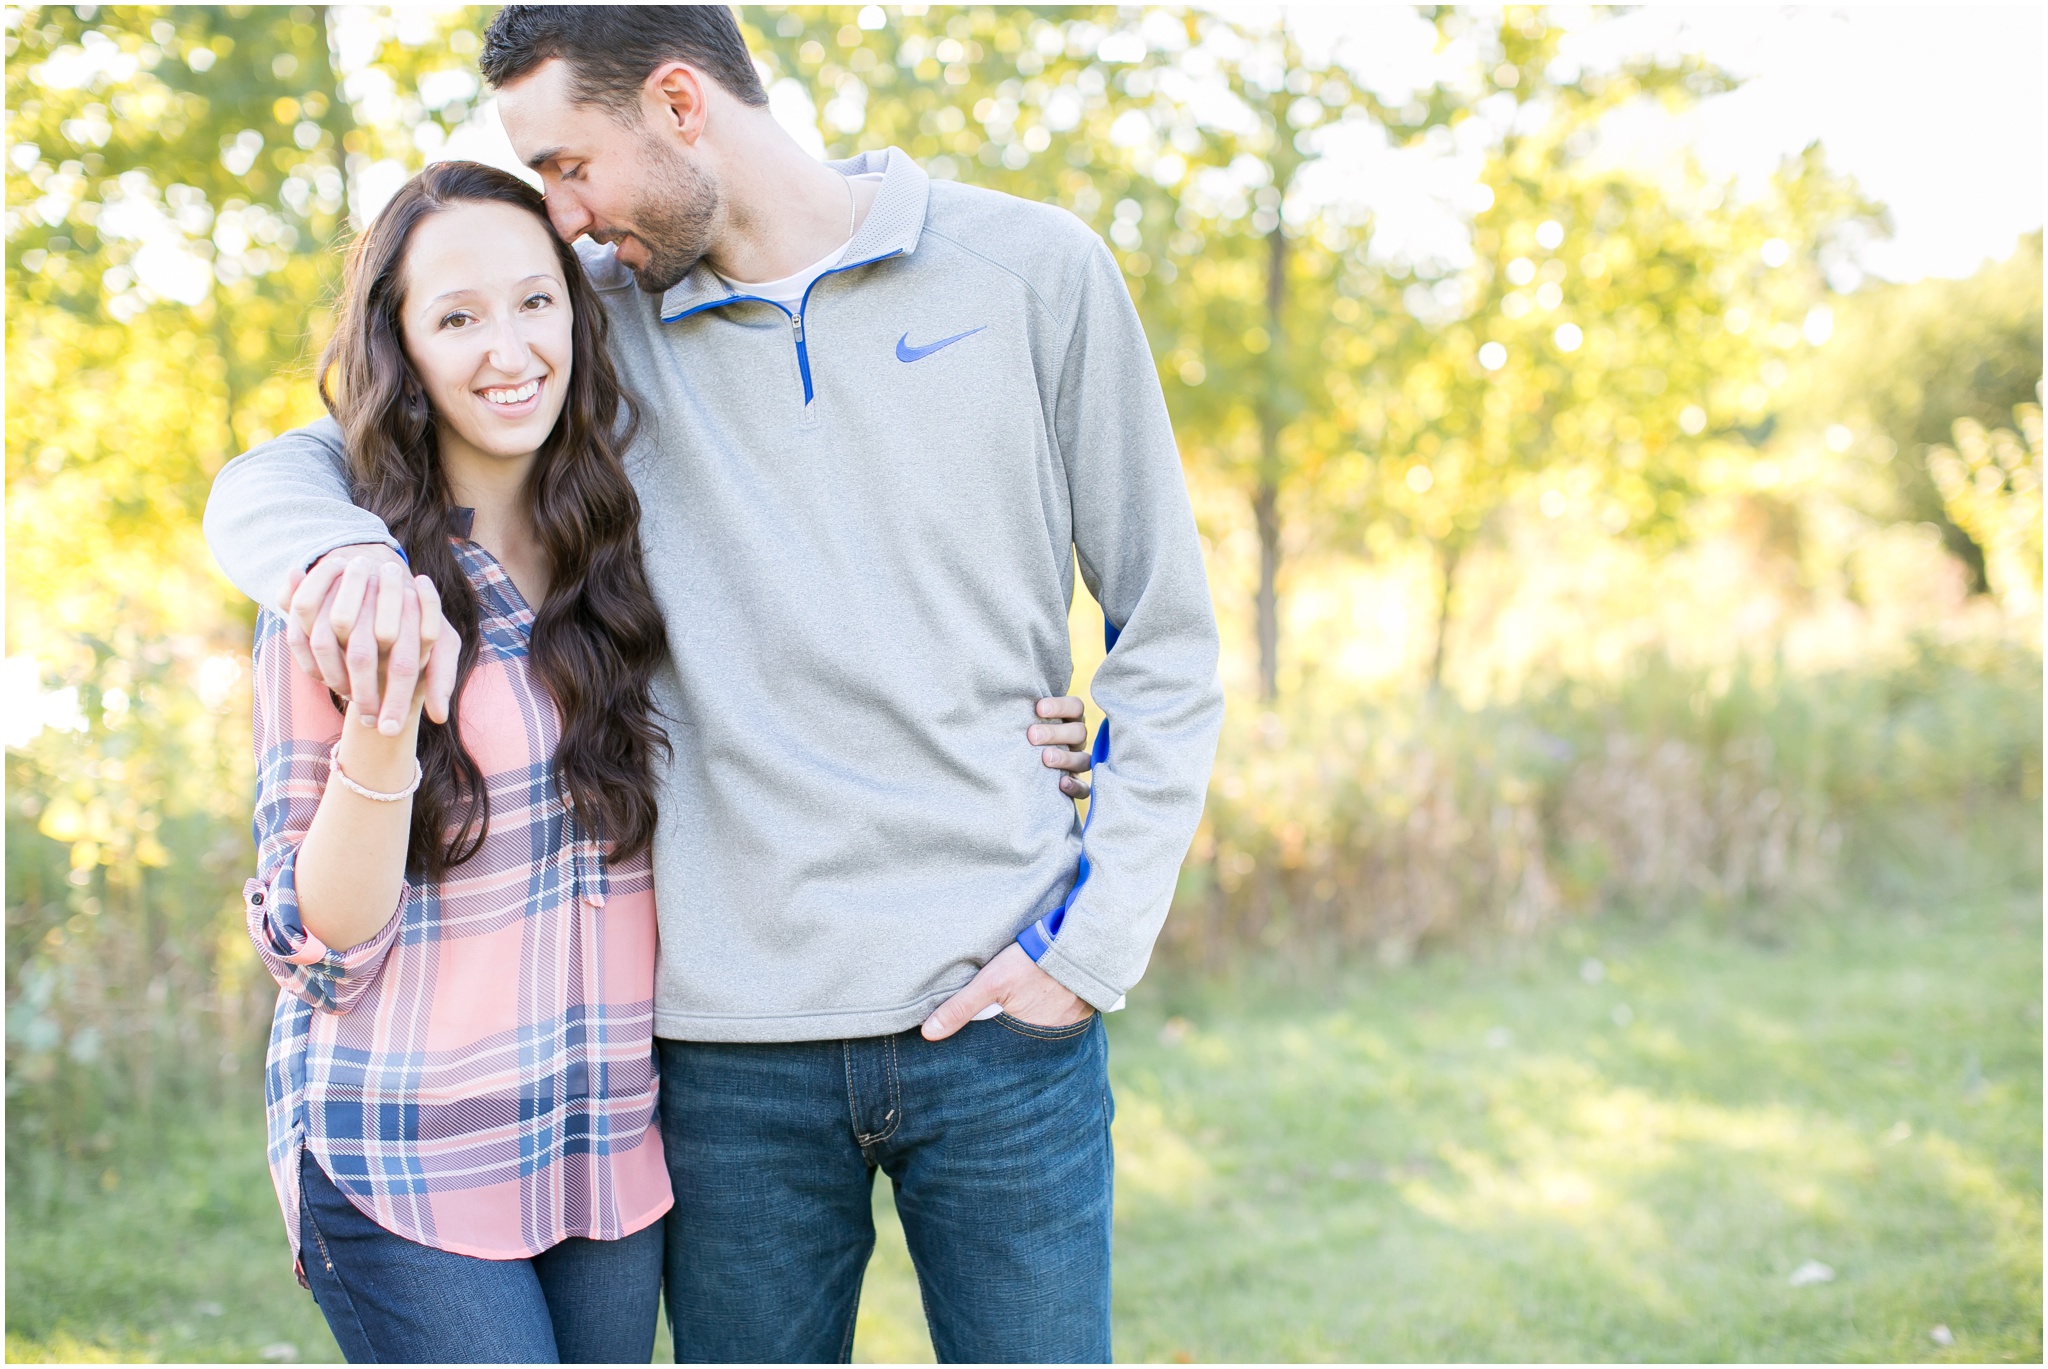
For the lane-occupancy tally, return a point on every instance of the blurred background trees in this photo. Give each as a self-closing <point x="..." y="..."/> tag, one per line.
<point x="176" y="191"/>
<point x="1620" y="548"/>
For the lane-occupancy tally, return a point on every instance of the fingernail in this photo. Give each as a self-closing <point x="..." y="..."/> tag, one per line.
<point x="389" y="727"/>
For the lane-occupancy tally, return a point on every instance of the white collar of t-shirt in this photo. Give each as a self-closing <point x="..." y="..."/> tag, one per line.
<point x="789" y="291"/>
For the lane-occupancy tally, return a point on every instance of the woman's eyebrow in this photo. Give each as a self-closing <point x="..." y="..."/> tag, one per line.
<point x="547" y="276"/>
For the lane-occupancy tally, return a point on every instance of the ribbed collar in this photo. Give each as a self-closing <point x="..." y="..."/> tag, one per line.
<point x="892" y="227"/>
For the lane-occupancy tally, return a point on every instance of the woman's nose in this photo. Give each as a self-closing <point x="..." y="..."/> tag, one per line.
<point x="509" y="351"/>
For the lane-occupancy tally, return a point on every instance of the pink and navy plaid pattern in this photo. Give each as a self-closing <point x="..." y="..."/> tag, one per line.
<point x="479" y="1076"/>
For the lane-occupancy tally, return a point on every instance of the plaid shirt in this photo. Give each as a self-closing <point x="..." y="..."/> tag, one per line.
<point x="479" y="1076"/>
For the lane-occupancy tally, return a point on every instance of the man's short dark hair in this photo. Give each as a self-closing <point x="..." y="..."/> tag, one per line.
<point x="611" y="49"/>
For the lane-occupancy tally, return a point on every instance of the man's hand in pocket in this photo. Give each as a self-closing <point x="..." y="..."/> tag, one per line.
<point x="1012" y="983"/>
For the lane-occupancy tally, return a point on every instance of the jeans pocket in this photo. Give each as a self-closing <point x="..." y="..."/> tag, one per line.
<point x="1042" y="1033"/>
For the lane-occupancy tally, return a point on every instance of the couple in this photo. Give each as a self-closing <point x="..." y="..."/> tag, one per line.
<point x="716" y="878"/>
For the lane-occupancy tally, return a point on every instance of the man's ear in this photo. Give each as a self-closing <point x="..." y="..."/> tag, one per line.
<point x="676" y="94"/>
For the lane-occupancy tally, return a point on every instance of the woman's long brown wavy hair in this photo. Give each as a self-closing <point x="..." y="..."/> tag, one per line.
<point x="597" y="637"/>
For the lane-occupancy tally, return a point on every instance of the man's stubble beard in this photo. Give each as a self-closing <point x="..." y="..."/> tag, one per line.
<point x="672" y="219"/>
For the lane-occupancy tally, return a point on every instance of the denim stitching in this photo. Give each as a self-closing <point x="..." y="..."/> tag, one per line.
<point x="893" y="1095"/>
<point x="924" y="1300"/>
<point x="852" y="1099"/>
<point x="1038" y="1033"/>
<point x="852" y="1319"/>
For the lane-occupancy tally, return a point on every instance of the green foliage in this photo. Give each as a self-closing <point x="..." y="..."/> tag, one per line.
<point x="176" y="192"/>
<point x="1910" y="361"/>
<point x="1627" y="348"/>
<point x="1990" y="484"/>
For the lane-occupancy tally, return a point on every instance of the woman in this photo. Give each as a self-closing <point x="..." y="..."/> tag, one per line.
<point x="460" y="915"/>
<point x="460" y="1081"/>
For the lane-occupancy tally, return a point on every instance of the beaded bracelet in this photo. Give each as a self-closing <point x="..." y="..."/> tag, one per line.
<point x="334" y="767"/>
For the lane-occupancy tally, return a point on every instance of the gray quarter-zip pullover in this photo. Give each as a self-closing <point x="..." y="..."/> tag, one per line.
<point x="861" y="518"/>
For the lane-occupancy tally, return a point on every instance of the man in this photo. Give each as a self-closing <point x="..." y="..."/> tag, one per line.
<point x="881" y="417"/>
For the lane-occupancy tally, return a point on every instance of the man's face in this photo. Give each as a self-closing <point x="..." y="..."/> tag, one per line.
<point x="618" y="181"/>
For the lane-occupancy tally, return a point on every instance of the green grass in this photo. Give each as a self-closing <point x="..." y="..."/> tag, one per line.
<point x="1477" y="1157"/>
<point x="1481" y="1162"/>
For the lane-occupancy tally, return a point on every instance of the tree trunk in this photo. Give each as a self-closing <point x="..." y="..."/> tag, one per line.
<point x="1266" y="494"/>
<point x="1265" y="512"/>
<point x="1449" y="555"/>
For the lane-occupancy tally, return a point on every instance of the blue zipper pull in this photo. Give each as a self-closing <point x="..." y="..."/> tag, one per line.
<point x="803" y="353"/>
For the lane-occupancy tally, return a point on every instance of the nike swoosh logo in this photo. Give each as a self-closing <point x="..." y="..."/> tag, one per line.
<point x="906" y="352"/>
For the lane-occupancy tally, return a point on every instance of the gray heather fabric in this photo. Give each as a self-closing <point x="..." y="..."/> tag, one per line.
<point x="864" y="595"/>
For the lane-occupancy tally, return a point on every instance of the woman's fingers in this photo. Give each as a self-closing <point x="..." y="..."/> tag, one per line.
<point x="1057" y="734"/>
<point x="1062" y="725"/>
<point x="1073" y="762"/>
<point x="443" y="648"/>
<point x="1063" y="733"/>
<point x="402" y="657"/>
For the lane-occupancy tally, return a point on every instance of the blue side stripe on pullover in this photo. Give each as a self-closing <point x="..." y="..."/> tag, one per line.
<point x="1037" y="939"/>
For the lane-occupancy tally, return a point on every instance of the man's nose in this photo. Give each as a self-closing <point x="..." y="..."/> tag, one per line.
<point x="568" y="217"/>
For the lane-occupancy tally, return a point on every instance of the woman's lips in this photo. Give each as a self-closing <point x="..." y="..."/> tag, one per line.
<point x="517" y="410"/>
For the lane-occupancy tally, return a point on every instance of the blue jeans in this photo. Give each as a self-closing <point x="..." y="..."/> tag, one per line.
<point x="997" y="1140"/>
<point x="391" y="1300"/>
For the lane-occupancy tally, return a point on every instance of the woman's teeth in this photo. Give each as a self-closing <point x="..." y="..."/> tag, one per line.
<point x="517" y="396"/>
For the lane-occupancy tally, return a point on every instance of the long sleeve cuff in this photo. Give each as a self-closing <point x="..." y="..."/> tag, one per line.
<point x="301" y="963"/>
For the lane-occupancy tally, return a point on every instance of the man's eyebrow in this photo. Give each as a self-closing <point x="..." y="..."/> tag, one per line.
<point x="541" y="159"/>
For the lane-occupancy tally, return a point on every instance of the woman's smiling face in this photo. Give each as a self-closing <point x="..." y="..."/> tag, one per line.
<point x="488" y="327"/>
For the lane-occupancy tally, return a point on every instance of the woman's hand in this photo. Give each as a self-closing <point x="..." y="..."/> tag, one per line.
<point x="405" y="629"/>
<point x="1064" y="735"/>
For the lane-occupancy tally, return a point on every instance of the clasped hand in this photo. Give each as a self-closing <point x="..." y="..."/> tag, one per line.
<point x="373" y="634"/>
